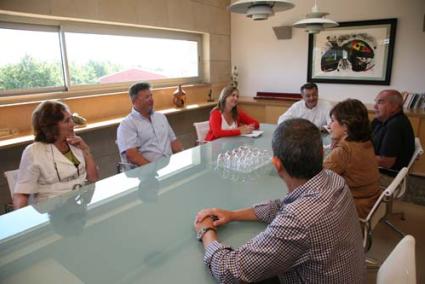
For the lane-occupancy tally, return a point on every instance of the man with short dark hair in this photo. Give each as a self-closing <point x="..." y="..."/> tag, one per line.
<point x="392" y="133"/>
<point x="310" y="107"/>
<point x="313" y="234"/>
<point x="145" y="135"/>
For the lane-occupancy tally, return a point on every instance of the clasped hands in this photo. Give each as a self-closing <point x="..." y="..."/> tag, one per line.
<point x="246" y="129"/>
<point x="212" y="217"/>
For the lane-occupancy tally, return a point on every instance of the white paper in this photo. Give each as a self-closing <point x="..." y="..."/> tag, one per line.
<point x="253" y="134"/>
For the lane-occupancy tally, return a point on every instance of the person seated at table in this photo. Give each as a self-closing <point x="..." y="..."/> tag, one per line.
<point x="145" y="135"/>
<point x="392" y="133"/>
<point x="226" y="119"/>
<point x="352" y="155"/>
<point x="313" y="233"/>
<point x="310" y="107"/>
<point x="58" y="161"/>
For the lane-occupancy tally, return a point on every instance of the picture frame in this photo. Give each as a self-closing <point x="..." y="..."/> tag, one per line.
<point x="359" y="52"/>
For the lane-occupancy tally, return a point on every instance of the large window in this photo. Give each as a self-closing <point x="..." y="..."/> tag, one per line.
<point x="100" y="59"/>
<point x="30" y="59"/>
<point x="40" y="58"/>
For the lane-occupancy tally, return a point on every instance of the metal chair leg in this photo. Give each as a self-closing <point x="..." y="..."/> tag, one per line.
<point x="389" y="212"/>
<point x="372" y="263"/>
<point x="392" y="226"/>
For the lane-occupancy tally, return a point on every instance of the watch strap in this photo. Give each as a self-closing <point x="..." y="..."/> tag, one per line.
<point x="200" y="234"/>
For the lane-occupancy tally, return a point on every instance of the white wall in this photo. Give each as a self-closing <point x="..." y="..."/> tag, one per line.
<point x="268" y="64"/>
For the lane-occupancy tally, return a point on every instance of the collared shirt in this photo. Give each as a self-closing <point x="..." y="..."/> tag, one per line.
<point x="394" y="138"/>
<point x="313" y="236"/>
<point x="319" y="115"/>
<point x="46" y="172"/>
<point x="151" y="137"/>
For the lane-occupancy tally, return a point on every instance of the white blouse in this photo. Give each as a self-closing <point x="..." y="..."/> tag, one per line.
<point x="46" y="172"/>
<point x="226" y="126"/>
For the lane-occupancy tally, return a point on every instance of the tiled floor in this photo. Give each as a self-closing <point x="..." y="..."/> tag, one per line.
<point x="385" y="239"/>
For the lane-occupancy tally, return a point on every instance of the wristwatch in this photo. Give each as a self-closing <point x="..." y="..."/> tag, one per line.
<point x="200" y="234"/>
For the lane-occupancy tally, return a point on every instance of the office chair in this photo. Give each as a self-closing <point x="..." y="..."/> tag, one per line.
<point x="11" y="177"/>
<point x="201" y="131"/>
<point x="402" y="190"/>
<point x="400" y="265"/>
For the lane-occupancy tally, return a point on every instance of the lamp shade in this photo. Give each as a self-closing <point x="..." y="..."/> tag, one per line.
<point x="323" y="22"/>
<point x="315" y="21"/>
<point x="260" y="10"/>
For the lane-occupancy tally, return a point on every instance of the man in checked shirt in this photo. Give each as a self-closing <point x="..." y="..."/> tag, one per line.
<point x="313" y="233"/>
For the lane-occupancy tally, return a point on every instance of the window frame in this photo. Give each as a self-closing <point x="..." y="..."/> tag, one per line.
<point x="36" y="27"/>
<point x="106" y="28"/>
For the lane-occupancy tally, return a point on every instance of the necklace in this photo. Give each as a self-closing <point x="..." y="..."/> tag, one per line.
<point x="63" y="147"/>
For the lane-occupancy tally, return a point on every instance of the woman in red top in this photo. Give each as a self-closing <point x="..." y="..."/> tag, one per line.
<point x="226" y="119"/>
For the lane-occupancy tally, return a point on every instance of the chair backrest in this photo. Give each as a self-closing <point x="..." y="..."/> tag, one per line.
<point x="375" y="215"/>
<point x="201" y="130"/>
<point x="378" y="211"/>
<point x="123" y="167"/>
<point x="397" y="187"/>
<point x="388" y="192"/>
<point x="418" y="152"/>
<point x="11" y="177"/>
<point x="400" y="265"/>
<point x="397" y="181"/>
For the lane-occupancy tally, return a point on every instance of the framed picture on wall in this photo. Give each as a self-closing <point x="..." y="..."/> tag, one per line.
<point x="358" y="52"/>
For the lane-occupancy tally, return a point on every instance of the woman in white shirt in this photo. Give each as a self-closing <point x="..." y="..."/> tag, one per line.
<point x="58" y="161"/>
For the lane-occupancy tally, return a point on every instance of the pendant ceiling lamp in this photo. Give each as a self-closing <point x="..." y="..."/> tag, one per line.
<point x="315" y="21"/>
<point x="260" y="10"/>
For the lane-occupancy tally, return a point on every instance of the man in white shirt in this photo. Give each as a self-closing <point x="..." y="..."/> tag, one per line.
<point x="145" y="135"/>
<point x="310" y="108"/>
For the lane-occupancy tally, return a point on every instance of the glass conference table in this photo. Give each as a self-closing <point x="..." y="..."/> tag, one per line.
<point x="137" y="226"/>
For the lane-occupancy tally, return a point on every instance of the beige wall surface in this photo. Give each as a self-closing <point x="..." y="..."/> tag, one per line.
<point x="209" y="17"/>
<point x="268" y="64"/>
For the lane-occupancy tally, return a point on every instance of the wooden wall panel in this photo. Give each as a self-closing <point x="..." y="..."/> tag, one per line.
<point x="256" y="111"/>
<point x="419" y="166"/>
<point x="273" y="113"/>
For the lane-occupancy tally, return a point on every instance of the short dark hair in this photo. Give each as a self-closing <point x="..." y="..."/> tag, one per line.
<point x="136" y="88"/>
<point x="298" y="145"/>
<point x="45" y="120"/>
<point x="308" y="86"/>
<point x="353" y="114"/>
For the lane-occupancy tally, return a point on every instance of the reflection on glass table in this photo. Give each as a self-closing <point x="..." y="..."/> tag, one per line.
<point x="134" y="227"/>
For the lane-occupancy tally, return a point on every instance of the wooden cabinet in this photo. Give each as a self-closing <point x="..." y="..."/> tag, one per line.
<point x="419" y="165"/>
<point x="256" y="111"/>
<point x="273" y="113"/>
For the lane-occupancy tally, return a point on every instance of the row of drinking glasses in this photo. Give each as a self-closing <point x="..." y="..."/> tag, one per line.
<point x="243" y="159"/>
<point x="235" y="176"/>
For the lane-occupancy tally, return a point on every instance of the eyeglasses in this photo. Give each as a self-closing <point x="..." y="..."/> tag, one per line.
<point x="57" y="171"/>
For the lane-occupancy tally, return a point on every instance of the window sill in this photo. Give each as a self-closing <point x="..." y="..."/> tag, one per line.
<point x="81" y="93"/>
<point x="18" y="140"/>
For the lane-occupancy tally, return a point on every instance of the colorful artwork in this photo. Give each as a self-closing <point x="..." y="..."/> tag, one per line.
<point x="349" y="52"/>
<point x="354" y="53"/>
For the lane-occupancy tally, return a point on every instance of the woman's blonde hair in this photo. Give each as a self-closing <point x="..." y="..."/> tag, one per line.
<point x="225" y="93"/>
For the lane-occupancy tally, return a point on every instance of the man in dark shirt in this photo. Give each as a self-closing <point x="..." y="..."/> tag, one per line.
<point x="392" y="133"/>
